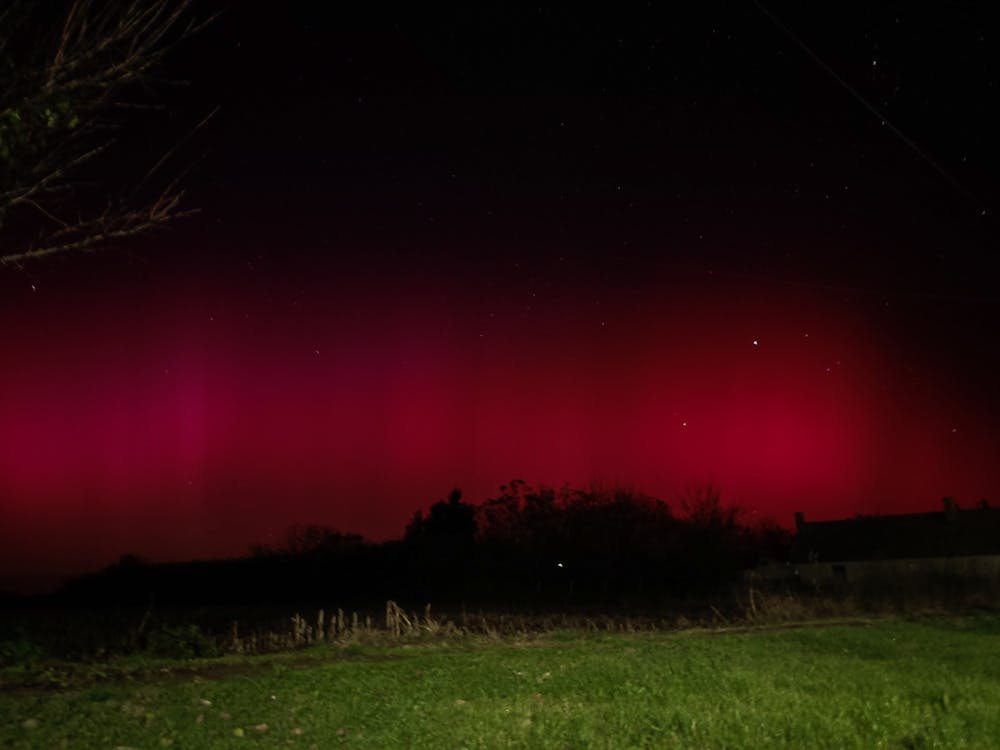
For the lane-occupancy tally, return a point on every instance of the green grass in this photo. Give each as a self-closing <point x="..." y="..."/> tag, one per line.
<point x="889" y="684"/>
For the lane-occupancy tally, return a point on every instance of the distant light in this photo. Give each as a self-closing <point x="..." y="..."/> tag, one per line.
<point x="755" y="342"/>
<point x="559" y="565"/>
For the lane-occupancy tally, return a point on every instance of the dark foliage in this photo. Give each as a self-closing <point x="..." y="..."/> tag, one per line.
<point x="528" y="547"/>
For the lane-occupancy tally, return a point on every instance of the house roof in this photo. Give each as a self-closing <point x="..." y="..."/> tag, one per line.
<point x="946" y="533"/>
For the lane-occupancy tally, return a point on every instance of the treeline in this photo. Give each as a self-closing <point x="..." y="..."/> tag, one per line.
<point x="537" y="547"/>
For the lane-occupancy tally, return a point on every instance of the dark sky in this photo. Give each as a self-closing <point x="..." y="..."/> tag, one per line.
<point x="660" y="247"/>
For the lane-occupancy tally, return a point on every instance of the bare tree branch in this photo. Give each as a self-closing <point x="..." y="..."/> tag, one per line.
<point x="63" y="101"/>
<point x="112" y="225"/>
<point x="166" y="157"/>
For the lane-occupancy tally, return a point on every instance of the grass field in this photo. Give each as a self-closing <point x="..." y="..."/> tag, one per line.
<point x="922" y="683"/>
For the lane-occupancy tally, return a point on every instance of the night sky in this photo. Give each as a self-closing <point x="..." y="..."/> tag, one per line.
<point x="658" y="248"/>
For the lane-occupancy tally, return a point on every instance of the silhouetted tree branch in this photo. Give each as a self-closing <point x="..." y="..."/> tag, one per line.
<point x="702" y="506"/>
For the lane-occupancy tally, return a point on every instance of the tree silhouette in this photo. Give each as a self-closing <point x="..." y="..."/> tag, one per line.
<point x="702" y="506"/>
<point x="448" y="521"/>
<point x="311" y="539"/>
<point x="531" y="547"/>
<point x="712" y="546"/>
<point x="440" y="548"/>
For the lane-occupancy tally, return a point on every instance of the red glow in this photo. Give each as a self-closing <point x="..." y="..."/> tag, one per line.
<point x="195" y="427"/>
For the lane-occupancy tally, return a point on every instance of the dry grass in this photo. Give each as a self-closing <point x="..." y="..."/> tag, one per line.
<point x="199" y="633"/>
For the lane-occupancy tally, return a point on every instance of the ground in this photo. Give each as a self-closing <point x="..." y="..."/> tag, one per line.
<point x="890" y="683"/>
